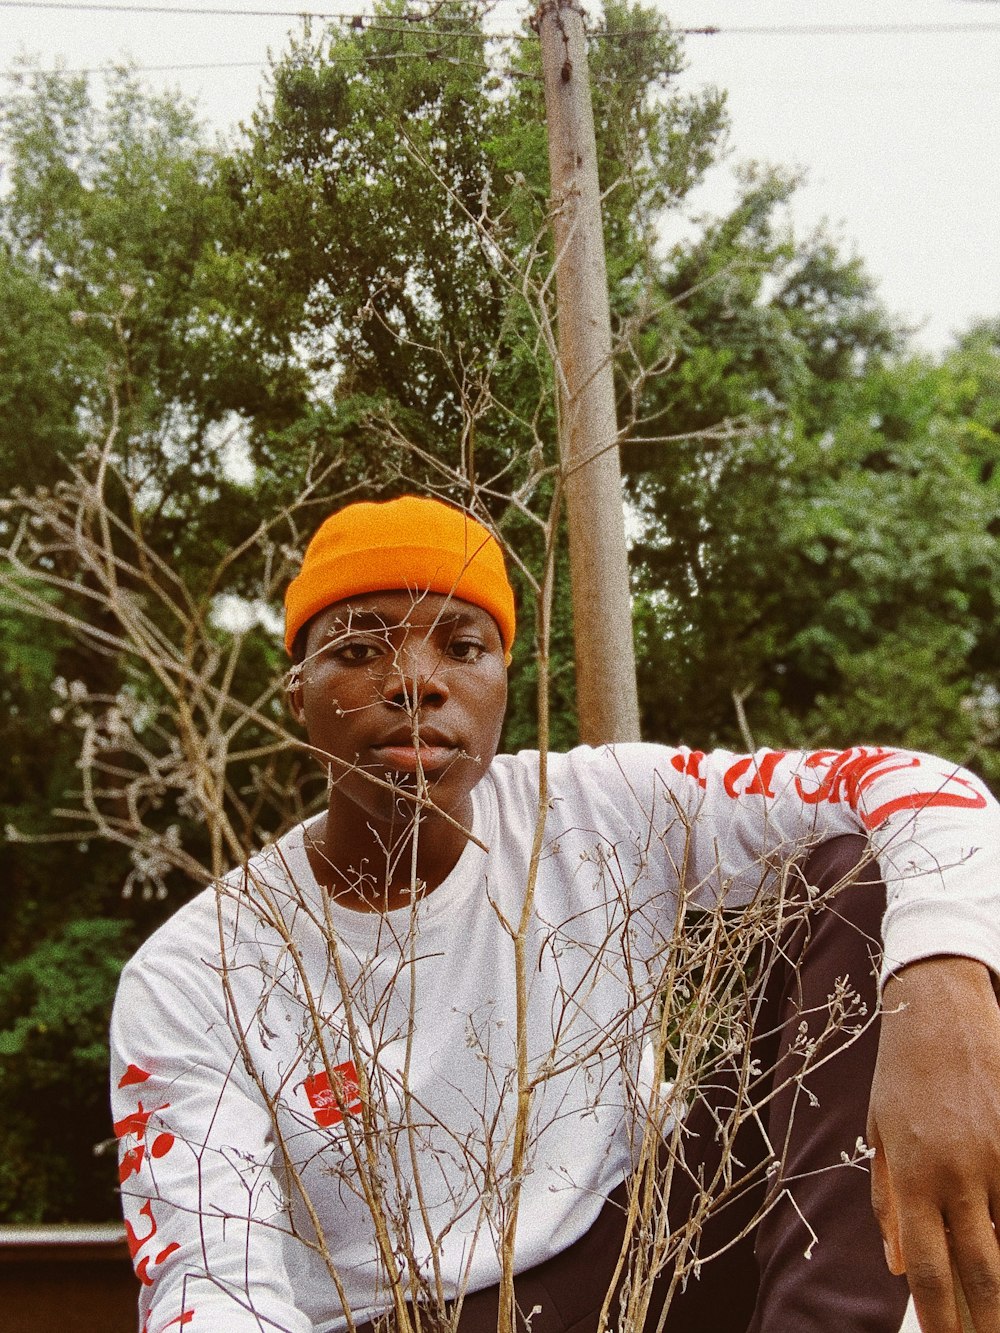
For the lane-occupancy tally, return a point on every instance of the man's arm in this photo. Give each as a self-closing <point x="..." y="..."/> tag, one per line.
<point x="935" y="1126"/>
<point x="935" y="828"/>
<point x="204" y="1216"/>
<point x="935" y="1108"/>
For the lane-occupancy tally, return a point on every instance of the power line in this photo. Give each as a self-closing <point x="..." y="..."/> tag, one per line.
<point x="202" y="10"/>
<point x="103" y="71"/>
<point x="397" y="23"/>
<point x="409" y="20"/>
<point x="160" y="69"/>
<point x="406" y="23"/>
<point x="412" y="21"/>
<point x="167" y="9"/>
<point x="831" y="29"/>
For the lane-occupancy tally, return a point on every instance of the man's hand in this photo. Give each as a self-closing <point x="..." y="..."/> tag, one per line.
<point x="935" y="1125"/>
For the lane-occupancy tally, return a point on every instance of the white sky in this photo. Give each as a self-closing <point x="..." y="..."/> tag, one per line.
<point x="899" y="131"/>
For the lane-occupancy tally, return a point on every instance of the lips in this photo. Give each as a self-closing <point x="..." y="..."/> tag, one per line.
<point x="433" y="751"/>
<point x="406" y="759"/>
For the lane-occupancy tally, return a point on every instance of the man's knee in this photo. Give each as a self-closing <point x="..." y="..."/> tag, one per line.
<point x="845" y="872"/>
<point x="848" y="858"/>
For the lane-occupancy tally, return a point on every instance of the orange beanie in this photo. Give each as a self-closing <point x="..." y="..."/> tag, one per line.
<point x="409" y="543"/>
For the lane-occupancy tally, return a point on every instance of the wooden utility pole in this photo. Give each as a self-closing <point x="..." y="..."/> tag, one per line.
<point x="602" y="615"/>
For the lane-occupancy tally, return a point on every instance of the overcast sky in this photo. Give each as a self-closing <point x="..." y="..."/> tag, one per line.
<point x="899" y="131"/>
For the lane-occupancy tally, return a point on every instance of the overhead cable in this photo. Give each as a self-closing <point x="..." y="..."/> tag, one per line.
<point x="411" y="20"/>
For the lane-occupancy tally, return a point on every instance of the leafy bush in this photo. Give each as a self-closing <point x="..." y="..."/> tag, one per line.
<point x="54" y="1120"/>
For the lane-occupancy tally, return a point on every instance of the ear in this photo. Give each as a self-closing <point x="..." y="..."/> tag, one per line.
<point x="293" y="695"/>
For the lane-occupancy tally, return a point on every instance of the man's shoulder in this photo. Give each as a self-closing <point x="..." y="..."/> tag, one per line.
<point x="619" y="757"/>
<point x="218" y="911"/>
<point x="601" y="773"/>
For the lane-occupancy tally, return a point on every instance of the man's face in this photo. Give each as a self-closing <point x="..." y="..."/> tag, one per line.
<point x="409" y="689"/>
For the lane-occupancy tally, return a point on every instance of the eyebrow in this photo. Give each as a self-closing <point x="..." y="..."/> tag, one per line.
<point x="360" y="620"/>
<point x="355" y="620"/>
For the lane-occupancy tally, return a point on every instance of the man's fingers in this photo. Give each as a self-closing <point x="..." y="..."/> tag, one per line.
<point x="977" y="1264"/>
<point x="964" y="1317"/>
<point x="941" y="1132"/>
<point x="927" y="1258"/>
<point x="884" y="1205"/>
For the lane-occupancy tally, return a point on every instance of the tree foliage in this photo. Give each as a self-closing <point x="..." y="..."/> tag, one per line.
<point x="841" y="584"/>
<point x="53" y="1071"/>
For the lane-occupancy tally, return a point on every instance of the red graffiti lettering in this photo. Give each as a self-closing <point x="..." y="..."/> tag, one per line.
<point x="131" y="1163"/>
<point x="133" y="1075"/>
<point x="851" y="772"/>
<point x="135" y="1243"/>
<point x="183" y="1318"/>
<point x="763" y="774"/>
<point x="690" y="765"/>
<point x="819" y="757"/>
<point x="142" y="1267"/>
<point x="924" y="800"/>
<point x="135" y="1123"/>
<point x="733" y="774"/>
<point x="330" y="1103"/>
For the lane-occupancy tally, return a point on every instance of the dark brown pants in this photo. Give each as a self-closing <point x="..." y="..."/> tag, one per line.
<point x="764" y="1283"/>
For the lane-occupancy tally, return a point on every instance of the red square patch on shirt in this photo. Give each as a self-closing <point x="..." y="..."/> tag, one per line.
<point x="330" y="1102"/>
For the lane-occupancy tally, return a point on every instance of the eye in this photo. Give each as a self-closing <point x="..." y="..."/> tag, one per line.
<point x="357" y="652"/>
<point x="466" y="650"/>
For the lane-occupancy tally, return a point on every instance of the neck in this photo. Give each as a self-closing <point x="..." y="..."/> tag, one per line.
<point x="376" y="867"/>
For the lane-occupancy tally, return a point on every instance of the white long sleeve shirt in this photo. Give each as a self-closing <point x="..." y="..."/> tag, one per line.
<point x="284" y="1069"/>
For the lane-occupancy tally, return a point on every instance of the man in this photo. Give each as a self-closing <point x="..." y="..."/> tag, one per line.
<point x="401" y="1051"/>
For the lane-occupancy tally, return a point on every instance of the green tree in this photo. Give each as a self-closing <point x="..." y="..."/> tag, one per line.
<point x="54" y="1002"/>
<point x="839" y="584"/>
<point x="391" y="214"/>
<point x="100" y="230"/>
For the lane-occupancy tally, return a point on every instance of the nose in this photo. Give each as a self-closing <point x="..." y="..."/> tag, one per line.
<point x="416" y="677"/>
